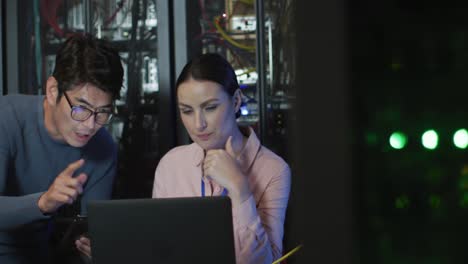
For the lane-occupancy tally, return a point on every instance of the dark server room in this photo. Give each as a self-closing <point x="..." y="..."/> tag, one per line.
<point x="233" y="131"/>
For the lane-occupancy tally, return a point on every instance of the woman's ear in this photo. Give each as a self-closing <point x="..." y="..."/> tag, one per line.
<point x="52" y="90"/>
<point x="237" y="100"/>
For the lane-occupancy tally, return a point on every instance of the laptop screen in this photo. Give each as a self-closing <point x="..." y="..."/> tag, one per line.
<point x="166" y="230"/>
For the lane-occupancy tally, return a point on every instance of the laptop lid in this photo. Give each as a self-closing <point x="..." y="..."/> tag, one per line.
<point x="166" y="230"/>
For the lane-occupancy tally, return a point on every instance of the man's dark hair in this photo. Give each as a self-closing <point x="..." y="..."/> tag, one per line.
<point x="83" y="58"/>
<point x="211" y="67"/>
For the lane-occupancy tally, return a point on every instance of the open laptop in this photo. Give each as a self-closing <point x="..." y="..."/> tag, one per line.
<point x="167" y="230"/>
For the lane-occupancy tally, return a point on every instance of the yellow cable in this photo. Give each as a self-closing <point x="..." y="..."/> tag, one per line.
<point x="294" y="250"/>
<point x="229" y="39"/>
<point x="249" y="70"/>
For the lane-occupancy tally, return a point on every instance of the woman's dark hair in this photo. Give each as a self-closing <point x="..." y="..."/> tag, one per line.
<point x="211" y="67"/>
<point x="82" y="58"/>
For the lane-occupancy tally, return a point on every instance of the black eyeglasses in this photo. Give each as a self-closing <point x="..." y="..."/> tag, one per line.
<point x="82" y="113"/>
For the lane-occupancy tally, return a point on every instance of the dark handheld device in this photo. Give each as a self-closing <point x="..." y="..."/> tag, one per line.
<point x="69" y="230"/>
<point x="78" y="227"/>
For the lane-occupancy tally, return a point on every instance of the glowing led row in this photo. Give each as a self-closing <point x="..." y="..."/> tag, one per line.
<point x="429" y="139"/>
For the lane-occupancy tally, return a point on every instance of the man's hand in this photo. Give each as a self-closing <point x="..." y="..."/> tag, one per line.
<point x="64" y="190"/>
<point x="83" y="244"/>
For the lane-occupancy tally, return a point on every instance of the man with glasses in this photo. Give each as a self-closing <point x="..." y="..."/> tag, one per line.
<point x="54" y="152"/>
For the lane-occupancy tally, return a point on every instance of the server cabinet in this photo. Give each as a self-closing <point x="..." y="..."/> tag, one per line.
<point x="409" y="79"/>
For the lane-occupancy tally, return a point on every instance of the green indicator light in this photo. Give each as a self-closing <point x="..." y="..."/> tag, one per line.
<point x="460" y="138"/>
<point x="430" y="139"/>
<point x="464" y="200"/>
<point x="402" y="202"/>
<point x="434" y="201"/>
<point x="398" y="140"/>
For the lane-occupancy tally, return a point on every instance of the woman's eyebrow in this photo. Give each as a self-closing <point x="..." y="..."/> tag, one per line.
<point x="209" y="101"/>
<point x="184" y="105"/>
<point x="213" y="100"/>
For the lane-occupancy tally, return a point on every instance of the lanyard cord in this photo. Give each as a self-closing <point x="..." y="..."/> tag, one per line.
<point x="224" y="193"/>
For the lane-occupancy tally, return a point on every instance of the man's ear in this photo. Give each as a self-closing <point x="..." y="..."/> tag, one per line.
<point x="237" y="100"/>
<point x="52" y="90"/>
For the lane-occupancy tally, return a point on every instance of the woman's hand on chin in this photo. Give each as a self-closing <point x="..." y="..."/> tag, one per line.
<point x="221" y="166"/>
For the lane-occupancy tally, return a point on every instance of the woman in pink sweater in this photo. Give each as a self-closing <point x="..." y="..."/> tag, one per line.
<point x="226" y="159"/>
